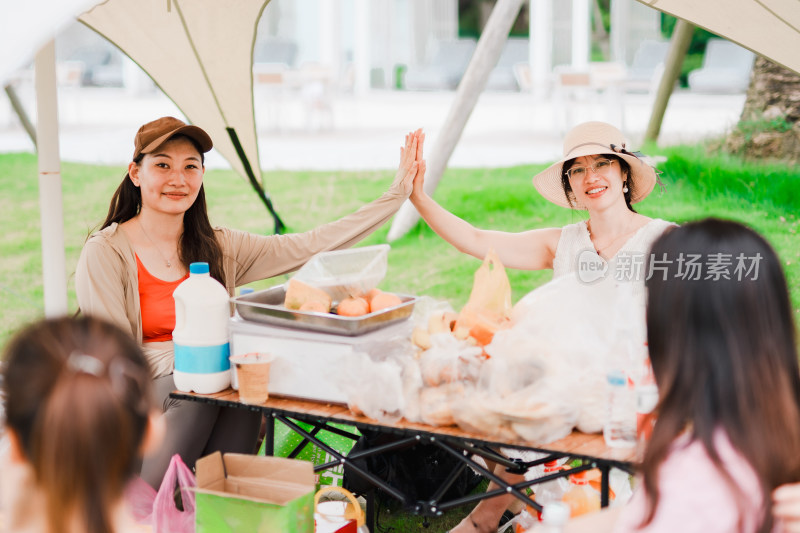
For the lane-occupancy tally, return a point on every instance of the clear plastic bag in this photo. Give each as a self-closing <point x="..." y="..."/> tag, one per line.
<point x="574" y="326"/>
<point x="448" y="360"/>
<point x="436" y="403"/>
<point x="343" y="273"/>
<point x="376" y="383"/>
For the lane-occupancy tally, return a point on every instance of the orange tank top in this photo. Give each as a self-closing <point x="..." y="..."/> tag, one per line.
<point x="156" y="305"/>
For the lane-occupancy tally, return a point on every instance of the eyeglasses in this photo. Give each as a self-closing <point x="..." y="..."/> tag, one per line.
<point x="599" y="166"/>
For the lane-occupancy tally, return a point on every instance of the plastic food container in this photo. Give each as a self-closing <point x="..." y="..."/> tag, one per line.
<point x="343" y="273"/>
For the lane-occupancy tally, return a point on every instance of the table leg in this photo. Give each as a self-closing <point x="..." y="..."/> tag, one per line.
<point x="605" y="472"/>
<point x="269" y="436"/>
<point x="370" y="518"/>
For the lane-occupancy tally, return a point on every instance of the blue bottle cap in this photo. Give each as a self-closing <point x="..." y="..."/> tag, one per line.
<point x="198" y="268"/>
<point x="246" y="290"/>
<point x="616" y="378"/>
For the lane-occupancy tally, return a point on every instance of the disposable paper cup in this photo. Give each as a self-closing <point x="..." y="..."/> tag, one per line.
<point x="252" y="373"/>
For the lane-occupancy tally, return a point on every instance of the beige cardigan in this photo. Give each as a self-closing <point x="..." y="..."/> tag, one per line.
<point x="107" y="283"/>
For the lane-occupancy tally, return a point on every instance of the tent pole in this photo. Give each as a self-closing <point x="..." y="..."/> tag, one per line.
<point x="679" y="45"/>
<point x="19" y="109"/>
<point x="50" y="200"/>
<point x="484" y="59"/>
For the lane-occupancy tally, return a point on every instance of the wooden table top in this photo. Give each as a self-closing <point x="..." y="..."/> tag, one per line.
<point x="577" y="444"/>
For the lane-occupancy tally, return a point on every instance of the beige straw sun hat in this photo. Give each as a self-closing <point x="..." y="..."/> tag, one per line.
<point x="595" y="138"/>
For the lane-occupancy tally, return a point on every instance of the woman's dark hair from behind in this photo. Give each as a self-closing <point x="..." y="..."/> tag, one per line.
<point x="625" y="168"/>
<point x="78" y="396"/>
<point x="198" y="242"/>
<point x="724" y="357"/>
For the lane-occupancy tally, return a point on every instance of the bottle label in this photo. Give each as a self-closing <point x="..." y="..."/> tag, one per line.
<point x="202" y="359"/>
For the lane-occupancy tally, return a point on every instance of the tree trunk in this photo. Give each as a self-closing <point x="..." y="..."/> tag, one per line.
<point x="770" y="123"/>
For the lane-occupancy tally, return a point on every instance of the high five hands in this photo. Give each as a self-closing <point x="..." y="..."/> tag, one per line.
<point x="411" y="172"/>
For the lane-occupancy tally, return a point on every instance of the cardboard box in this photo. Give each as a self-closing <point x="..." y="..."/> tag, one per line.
<point x="247" y="493"/>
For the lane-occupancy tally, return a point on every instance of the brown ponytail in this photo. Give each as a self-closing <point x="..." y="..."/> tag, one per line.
<point x="78" y="397"/>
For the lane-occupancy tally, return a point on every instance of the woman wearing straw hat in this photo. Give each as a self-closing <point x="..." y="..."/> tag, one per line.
<point x="597" y="174"/>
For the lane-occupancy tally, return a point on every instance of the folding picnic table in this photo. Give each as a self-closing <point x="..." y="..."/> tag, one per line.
<point x="460" y="444"/>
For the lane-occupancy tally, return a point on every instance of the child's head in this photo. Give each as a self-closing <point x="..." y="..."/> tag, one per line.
<point x="722" y="347"/>
<point x="78" y="402"/>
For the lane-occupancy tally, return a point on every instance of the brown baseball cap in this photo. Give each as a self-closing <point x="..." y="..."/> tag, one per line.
<point x="155" y="133"/>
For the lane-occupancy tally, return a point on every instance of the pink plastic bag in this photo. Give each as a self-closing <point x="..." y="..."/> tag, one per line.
<point x="158" y="509"/>
<point x="167" y="518"/>
<point x="140" y="497"/>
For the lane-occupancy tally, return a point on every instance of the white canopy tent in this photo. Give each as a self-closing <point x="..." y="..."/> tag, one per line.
<point x="770" y="28"/>
<point x="200" y="53"/>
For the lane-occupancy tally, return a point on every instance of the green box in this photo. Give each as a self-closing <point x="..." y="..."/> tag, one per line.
<point x="286" y="440"/>
<point x="239" y="493"/>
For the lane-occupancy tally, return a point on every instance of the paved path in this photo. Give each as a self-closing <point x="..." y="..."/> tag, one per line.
<point x="97" y="125"/>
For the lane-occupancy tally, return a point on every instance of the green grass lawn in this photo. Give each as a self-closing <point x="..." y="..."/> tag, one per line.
<point x="697" y="185"/>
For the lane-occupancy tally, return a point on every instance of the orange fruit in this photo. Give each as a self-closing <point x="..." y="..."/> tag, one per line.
<point x="384" y="300"/>
<point x="353" y="307"/>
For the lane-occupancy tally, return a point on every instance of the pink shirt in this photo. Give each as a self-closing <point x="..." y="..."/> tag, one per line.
<point x="694" y="497"/>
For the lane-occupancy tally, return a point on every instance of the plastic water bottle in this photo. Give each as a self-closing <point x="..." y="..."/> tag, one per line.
<point x="619" y="430"/>
<point x="553" y="490"/>
<point x="201" y="335"/>
<point x="554" y="517"/>
<point x="622" y="367"/>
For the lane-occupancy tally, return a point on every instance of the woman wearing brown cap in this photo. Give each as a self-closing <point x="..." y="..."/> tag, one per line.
<point x="596" y="174"/>
<point x="157" y="224"/>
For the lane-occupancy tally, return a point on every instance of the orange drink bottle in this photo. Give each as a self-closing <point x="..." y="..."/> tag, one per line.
<point x="581" y="497"/>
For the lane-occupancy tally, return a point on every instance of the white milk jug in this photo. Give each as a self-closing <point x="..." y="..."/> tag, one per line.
<point x="201" y="335"/>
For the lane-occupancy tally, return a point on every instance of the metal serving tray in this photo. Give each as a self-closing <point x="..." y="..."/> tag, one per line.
<point x="267" y="307"/>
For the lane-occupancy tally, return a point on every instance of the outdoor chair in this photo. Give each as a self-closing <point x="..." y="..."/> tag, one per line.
<point x="502" y="77"/>
<point x="599" y="85"/>
<point x="647" y="66"/>
<point x="275" y="51"/>
<point x="726" y="68"/>
<point x="448" y="63"/>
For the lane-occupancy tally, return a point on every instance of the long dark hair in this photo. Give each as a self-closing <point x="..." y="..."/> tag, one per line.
<point x="724" y="356"/>
<point x="78" y="397"/>
<point x="197" y="243"/>
<point x="625" y="168"/>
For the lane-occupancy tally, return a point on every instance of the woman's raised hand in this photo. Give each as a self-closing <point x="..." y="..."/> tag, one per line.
<point x="786" y="508"/>
<point x="419" y="180"/>
<point x="407" y="171"/>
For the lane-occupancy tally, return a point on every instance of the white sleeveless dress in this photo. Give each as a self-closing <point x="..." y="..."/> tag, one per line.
<point x="575" y="245"/>
<point x="575" y="253"/>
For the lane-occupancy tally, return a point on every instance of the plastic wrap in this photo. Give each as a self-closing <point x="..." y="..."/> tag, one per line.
<point x="343" y="273"/>
<point x="449" y="359"/>
<point x="376" y="383"/>
<point x="436" y="403"/>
